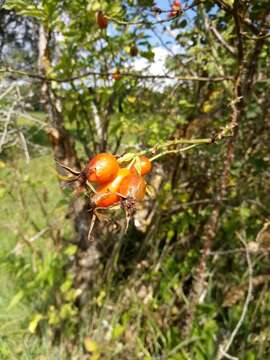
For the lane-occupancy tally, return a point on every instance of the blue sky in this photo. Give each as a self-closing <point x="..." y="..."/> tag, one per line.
<point x="167" y="35"/>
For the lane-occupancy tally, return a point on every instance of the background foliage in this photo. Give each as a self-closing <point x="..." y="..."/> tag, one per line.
<point x="195" y="260"/>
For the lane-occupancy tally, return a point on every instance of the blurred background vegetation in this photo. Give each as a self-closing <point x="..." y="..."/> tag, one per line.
<point x="190" y="278"/>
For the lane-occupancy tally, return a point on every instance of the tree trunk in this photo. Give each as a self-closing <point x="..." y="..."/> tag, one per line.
<point x="87" y="256"/>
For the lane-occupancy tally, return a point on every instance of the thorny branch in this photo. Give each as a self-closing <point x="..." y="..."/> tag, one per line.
<point x="200" y="283"/>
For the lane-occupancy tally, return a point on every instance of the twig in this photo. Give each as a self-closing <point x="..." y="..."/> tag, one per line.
<point x="93" y="220"/>
<point x="24" y="146"/>
<point x="232" y="125"/>
<point x="8" y="90"/>
<point x="29" y="242"/>
<point x="227" y="356"/>
<point x="183" y="141"/>
<point x="223" y="351"/>
<point x="31" y="118"/>
<point x="167" y="144"/>
<point x="237" y="251"/>
<point x="5" y="131"/>
<point x="143" y="22"/>
<point x="213" y="48"/>
<point x="221" y="39"/>
<point x="255" y="38"/>
<point x="175" y="151"/>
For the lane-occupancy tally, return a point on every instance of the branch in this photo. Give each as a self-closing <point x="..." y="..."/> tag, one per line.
<point x="155" y="10"/>
<point x="110" y="75"/>
<point x="144" y="22"/>
<point x="255" y="38"/>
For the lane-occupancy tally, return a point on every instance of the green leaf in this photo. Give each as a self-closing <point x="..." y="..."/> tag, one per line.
<point x="115" y="9"/>
<point x="2" y="192"/>
<point x="95" y="6"/>
<point x="90" y="345"/>
<point x="100" y="298"/>
<point x="22" y="8"/>
<point x="34" y="323"/>
<point x="2" y="164"/>
<point x="71" y="250"/>
<point x="117" y="331"/>
<point x="183" y="23"/>
<point x="149" y="55"/>
<point x="131" y="99"/>
<point x="229" y="2"/>
<point x="15" y="300"/>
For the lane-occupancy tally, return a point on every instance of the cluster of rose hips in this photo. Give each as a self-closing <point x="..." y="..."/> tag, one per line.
<point x="108" y="184"/>
<point x="113" y="182"/>
<point x="175" y="9"/>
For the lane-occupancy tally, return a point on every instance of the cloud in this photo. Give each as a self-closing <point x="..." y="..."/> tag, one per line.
<point x="157" y="67"/>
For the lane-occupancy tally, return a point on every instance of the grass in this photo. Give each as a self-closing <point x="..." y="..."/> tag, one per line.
<point x="30" y="200"/>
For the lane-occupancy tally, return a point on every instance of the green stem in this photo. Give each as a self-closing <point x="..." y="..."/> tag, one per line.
<point x="176" y="142"/>
<point x="175" y="151"/>
<point x="185" y="141"/>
